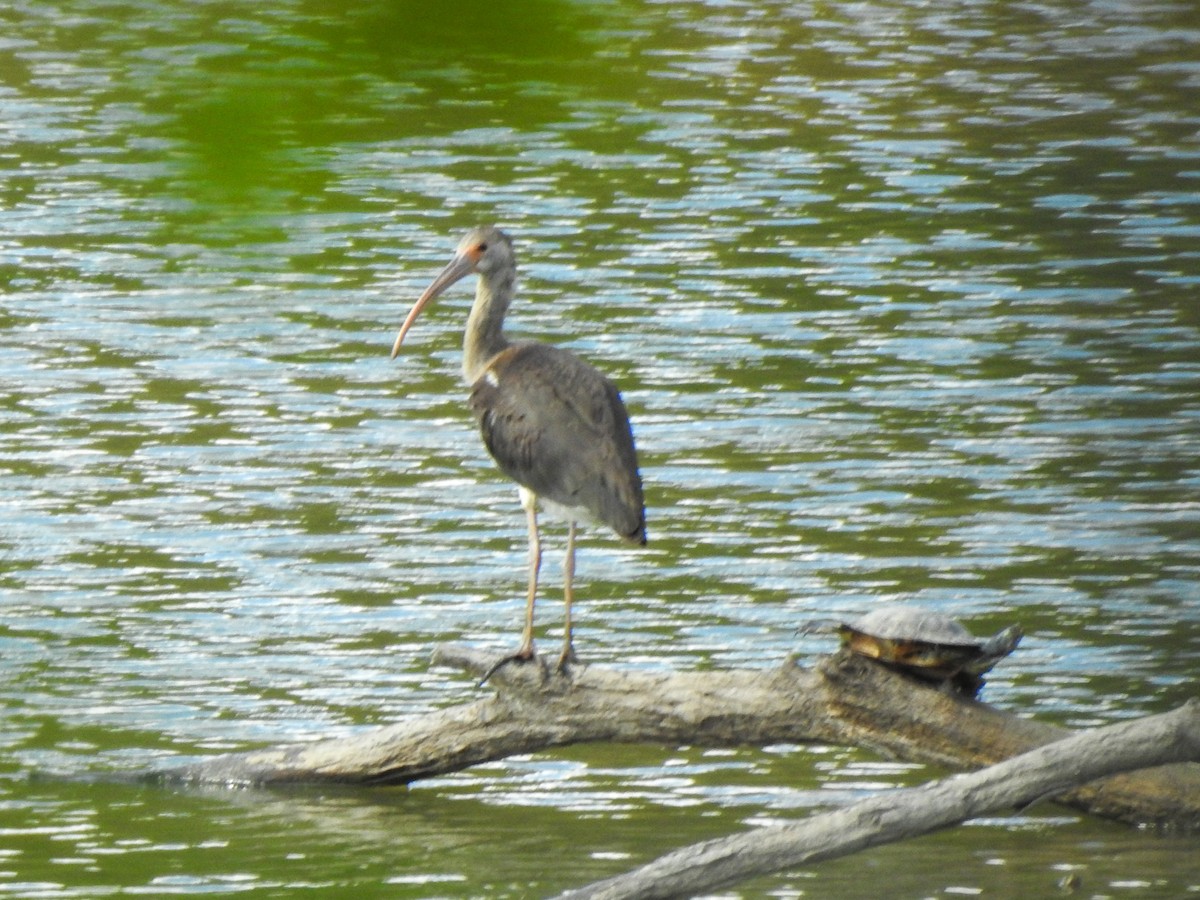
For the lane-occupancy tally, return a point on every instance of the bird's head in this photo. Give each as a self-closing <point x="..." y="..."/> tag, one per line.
<point x="486" y="248"/>
<point x="482" y="251"/>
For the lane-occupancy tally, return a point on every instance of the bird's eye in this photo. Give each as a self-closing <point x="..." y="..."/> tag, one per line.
<point x="482" y="248"/>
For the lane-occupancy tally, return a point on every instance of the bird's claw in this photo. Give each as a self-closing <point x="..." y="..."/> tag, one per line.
<point x="521" y="656"/>
<point x="566" y="660"/>
<point x="563" y="667"/>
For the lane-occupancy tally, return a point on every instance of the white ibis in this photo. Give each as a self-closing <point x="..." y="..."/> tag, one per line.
<point x="552" y="422"/>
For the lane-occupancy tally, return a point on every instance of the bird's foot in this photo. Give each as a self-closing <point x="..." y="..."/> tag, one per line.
<point x="524" y="655"/>
<point x="566" y="660"/>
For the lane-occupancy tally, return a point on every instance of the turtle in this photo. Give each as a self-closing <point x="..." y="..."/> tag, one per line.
<point x="928" y="645"/>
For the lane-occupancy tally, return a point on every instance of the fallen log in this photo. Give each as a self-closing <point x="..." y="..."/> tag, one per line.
<point x="841" y="700"/>
<point x="907" y="813"/>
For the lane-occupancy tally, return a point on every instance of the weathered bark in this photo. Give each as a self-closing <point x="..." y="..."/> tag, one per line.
<point x="843" y="700"/>
<point x="901" y="814"/>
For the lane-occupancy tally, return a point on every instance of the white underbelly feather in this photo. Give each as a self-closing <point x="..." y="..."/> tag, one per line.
<point x="558" y="511"/>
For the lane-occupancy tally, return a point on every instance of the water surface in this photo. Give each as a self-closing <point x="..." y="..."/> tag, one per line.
<point x="902" y="300"/>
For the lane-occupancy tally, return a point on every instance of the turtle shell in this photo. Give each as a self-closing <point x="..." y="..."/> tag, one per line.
<point x="927" y="643"/>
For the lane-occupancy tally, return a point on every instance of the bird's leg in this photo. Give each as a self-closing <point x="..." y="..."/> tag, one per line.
<point x="525" y="651"/>
<point x="529" y="501"/>
<point x="568" y="650"/>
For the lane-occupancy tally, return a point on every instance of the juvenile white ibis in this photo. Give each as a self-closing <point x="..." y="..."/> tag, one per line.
<point x="552" y="422"/>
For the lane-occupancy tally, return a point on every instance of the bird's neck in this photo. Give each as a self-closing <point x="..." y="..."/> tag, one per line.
<point x="484" y="337"/>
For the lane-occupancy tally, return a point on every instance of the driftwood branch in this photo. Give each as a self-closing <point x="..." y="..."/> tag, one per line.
<point x="841" y="700"/>
<point x="901" y="814"/>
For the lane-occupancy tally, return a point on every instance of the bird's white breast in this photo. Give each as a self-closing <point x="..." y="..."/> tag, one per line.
<point x="559" y="511"/>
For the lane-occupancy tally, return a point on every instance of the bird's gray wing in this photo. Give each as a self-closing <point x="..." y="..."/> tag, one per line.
<point x="557" y="426"/>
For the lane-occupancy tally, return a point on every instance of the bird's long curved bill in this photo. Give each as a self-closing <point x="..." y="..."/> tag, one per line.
<point x="459" y="267"/>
